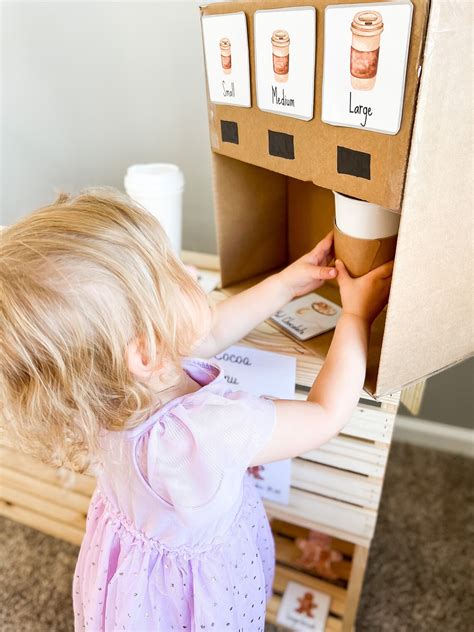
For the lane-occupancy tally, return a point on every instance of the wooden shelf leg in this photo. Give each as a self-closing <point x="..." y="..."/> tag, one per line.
<point x="354" y="588"/>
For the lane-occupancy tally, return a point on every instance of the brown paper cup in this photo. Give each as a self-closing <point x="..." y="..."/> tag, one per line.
<point x="362" y="255"/>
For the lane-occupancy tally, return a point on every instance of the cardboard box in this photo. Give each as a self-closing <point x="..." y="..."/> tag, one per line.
<point x="270" y="210"/>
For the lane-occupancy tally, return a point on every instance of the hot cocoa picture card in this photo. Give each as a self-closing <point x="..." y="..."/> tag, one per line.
<point x="365" y="58"/>
<point x="303" y="609"/>
<point x="263" y="373"/>
<point x="285" y="44"/>
<point x="226" y="54"/>
<point x="308" y="316"/>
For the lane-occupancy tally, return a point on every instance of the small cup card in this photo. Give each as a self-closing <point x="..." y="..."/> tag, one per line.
<point x="226" y="52"/>
<point x="365" y="59"/>
<point x="303" y="609"/>
<point x="308" y="316"/>
<point x="285" y="44"/>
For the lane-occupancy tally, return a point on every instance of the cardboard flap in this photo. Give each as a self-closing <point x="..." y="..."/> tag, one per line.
<point x="430" y="312"/>
<point x="251" y="219"/>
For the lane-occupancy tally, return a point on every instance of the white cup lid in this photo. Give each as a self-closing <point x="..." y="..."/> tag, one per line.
<point x="363" y="219"/>
<point x="159" y="176"/>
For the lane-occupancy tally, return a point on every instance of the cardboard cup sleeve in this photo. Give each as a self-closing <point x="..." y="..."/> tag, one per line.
<point x="362" y="255"/>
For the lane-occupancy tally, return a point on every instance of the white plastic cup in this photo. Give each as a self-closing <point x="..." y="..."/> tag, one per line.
<point x="158" y="187"/>
<point x="364" y="220"/>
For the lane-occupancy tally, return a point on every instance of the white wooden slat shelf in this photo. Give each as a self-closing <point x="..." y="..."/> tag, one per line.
<point x="367" y="422"/>
<point x="332" y="483"/>
<point x="334" y="517"/>
<point x="351" y="454"/>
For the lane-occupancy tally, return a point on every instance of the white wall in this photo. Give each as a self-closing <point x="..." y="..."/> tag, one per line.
<point x="89" y="88"/>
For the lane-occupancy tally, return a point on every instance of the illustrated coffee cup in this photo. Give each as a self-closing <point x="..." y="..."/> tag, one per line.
<point x="226" y="57"/>
<point x="366" y="28"/>
<point x="365" y="234"/>
<point x="281" y="55"/>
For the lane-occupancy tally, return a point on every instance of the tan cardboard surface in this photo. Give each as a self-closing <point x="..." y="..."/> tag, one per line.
<point x="251" y="218"/>
<point x="310" y="216"/>
<point x="430" y="317"/>
<point x="362" y="255"/>
<point x="316" y="142"/>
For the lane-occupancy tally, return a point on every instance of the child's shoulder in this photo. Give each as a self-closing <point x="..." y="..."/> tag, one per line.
<point x="195" y="442"/>
<point x="214" y="405"/>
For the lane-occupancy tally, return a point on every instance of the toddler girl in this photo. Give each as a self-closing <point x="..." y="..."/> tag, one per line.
<point x="98" y="320"/>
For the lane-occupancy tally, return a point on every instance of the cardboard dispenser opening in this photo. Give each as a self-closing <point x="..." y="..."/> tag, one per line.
<point x="264" y="222"/>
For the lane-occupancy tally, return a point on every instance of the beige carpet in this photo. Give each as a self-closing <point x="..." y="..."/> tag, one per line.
<point x="419" y="577"/>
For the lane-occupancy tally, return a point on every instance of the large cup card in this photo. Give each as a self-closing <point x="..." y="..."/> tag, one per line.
<point x="365" y="59"/>
<point x="285" y="44"/>
<point x="226" y="51"/>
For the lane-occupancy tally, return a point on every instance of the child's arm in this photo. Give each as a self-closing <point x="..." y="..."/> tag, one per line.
<point x="303" y="426"/>
<point x="234" y="317"/>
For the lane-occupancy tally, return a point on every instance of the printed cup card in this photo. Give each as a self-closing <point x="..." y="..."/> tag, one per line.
<point x="303" y="609"/>
<point x="263" y="373"/>
<point x="308" y="316"/>
<point x="285" y="44"/>
<point x="273" y="480"/>
<point x="365" y="59"/>
<point x="226" y="52"/>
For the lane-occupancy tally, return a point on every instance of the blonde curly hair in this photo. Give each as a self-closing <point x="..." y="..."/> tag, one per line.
<point x="80" y="280"/>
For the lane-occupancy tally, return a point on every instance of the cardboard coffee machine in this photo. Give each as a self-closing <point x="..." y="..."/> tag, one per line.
<point x="352" y="116"/>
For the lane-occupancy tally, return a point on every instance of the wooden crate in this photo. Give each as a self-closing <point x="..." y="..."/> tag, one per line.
<point x="289" y="568"/>
<point x="334" y="490"/>
<point x="42" y="497"/>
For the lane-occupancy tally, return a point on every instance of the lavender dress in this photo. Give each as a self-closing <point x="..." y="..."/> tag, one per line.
<point x="177" y="537"/>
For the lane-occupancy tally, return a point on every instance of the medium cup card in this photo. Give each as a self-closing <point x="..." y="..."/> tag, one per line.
<point x="263" y="373"/>
<point x="308" y="316"/>
<point x="365" y="59"/>
<point x="303" y="609"/>
<point x="285" y="44"/>
<point x="227" y="58"/>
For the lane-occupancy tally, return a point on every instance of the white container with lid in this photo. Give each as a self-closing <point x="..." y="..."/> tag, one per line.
<point x="158" y="187"/>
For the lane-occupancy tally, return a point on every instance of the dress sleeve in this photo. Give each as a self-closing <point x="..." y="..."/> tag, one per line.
<point x="205" y="443"/>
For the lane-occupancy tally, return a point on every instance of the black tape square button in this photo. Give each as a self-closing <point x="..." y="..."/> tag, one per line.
<point x="281" y="145"/>
<point x="353" y="163"/>
<point x="230" y="132"/>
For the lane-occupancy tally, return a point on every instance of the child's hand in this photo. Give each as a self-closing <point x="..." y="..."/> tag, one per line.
<point x="367" y="295"/>
<point x="310" y="271"/>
